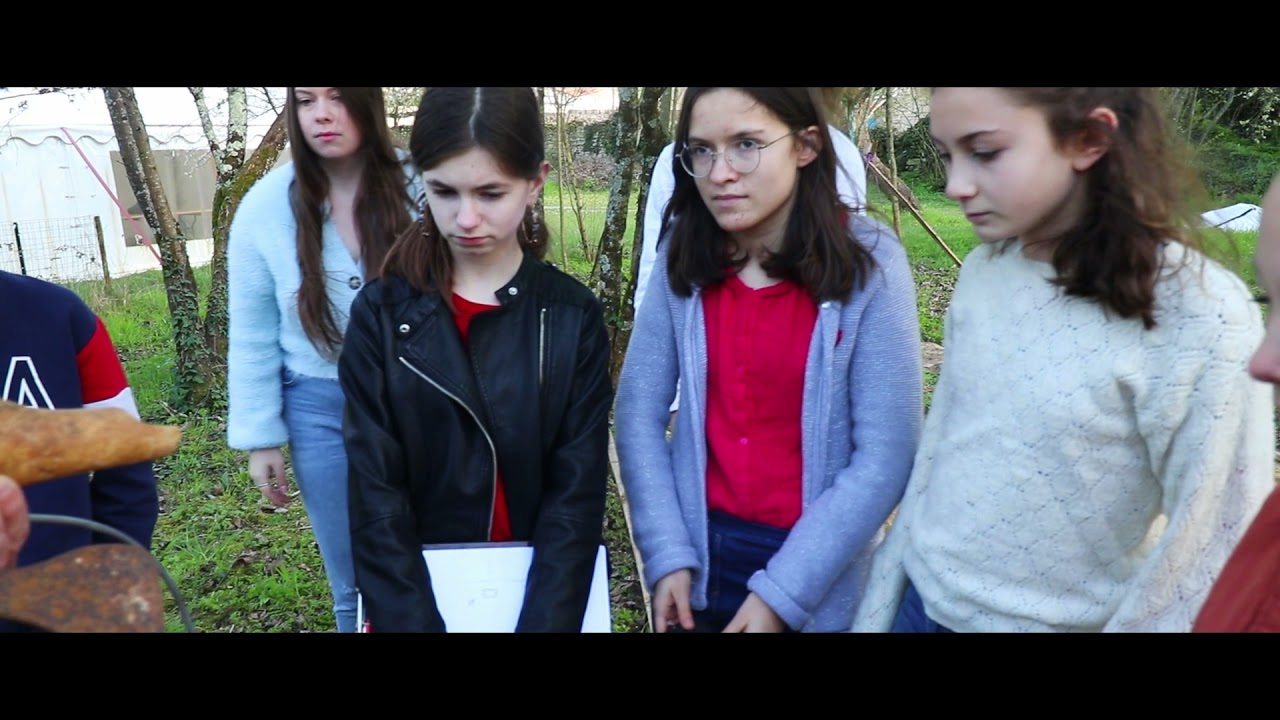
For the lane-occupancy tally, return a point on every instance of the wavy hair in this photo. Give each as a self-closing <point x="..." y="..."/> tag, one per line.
<point x="381" y="205"/>
<point x="1140" y="194"/>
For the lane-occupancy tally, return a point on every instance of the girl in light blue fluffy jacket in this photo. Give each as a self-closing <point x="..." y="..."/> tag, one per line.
<point x="302" y="243"/>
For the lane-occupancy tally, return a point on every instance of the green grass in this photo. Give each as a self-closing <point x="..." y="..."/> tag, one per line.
<point x="241" y="565"/>
<point x="942" y="214"/>
<point x="561" y="219"/>
<point x="1238" y="254"/>
<point x="934" y="271"/>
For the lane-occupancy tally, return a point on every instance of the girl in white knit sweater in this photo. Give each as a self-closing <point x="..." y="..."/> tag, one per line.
<point x="1095" y="447"/>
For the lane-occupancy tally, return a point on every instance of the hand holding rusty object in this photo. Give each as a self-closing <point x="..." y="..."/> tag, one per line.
<point x="37" y="444"/>
<point x="110" y="587"/>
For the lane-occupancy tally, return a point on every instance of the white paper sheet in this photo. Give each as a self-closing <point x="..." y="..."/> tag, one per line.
<point x="480" y="588"/>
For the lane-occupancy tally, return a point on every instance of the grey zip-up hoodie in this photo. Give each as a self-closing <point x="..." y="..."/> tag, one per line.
<point x="862" y="412"/>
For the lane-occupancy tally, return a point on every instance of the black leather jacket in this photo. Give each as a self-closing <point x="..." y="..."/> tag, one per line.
<point x="426" y="418"/>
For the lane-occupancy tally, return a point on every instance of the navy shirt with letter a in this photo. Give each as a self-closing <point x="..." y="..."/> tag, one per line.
<point x="55" y="353"/>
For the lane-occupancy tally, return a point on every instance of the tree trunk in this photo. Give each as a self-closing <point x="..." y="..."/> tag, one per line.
<point x="860" y="103"/>
<point x="653" y="137"/>
<point x="226" y="199"/>
<point x="610" y="280"/>
<point x="568" y="175"/>
<point x="666" y="108"/>
<point x="539" y="207"/>
<point x="191" y="357"/>
<point x="677" y="100"/>
<point x="561" y="179"/>
<point x="893" y="160"/>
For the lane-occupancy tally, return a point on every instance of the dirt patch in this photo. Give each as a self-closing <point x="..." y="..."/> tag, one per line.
<point x="931" y="354"/>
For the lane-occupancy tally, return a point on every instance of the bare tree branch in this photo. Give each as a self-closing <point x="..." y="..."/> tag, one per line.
<point x="1217" y="113"/>
<point x="237" y="131"/>
<point x="197" y="93"/>
<point x="266" y="92"/>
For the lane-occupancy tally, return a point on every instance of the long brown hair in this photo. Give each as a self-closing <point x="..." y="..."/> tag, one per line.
<point x="818" y="251"/>
<point x="504" y="121"/>
<point x="381" y="205"/>
<point x="1140" y="194"/>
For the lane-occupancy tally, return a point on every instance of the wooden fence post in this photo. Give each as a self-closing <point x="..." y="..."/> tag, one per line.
<point x="102" y="253"/>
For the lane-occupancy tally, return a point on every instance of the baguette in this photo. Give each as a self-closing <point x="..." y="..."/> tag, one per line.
<point x="38" y="444"/>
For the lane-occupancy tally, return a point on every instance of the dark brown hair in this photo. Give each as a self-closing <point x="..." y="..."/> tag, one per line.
<point x="505" y="122"/>
<point x="381" y="205"/>
<point x="1140" y="194"/>
<point x="818" y="251"/>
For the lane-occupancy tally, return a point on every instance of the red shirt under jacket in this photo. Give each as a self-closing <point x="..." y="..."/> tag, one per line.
<point x="463" y="312"/>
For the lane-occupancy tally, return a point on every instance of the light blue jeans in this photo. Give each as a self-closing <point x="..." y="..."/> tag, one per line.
<point x="313" y="414"/>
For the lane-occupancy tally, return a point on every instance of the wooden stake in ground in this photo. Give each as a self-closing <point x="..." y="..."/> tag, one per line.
<point x="626" y="514"/>
<point x="893" y="159"/>
<point x="917" y="215"/>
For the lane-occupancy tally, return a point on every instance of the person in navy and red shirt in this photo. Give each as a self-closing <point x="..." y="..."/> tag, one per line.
<point x="55" y="353"/>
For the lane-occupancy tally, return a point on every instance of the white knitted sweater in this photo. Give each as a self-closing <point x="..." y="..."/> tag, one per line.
<point x="1079" y="473"/>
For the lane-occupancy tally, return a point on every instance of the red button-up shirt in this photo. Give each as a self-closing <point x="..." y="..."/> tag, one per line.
<point x="757" y="347"/>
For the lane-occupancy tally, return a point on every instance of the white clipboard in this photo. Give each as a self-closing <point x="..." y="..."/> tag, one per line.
<point x="480" y="587"/>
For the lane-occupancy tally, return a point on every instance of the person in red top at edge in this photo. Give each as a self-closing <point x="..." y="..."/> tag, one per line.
<point x="1246" y="595"/>
<point x="476" y="378"/>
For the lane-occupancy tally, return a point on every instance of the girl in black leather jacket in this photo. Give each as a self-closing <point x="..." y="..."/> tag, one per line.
<point x="476" y="378"/>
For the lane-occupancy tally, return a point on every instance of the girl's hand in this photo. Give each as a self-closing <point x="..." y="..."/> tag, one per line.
<point x="671" y="601"/>
<point x="266" y="468"/>
<point x="755" y="617"/>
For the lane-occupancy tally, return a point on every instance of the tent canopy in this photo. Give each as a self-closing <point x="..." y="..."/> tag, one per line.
<point x="169" y="112"/>
<point x="1241" y="217"/>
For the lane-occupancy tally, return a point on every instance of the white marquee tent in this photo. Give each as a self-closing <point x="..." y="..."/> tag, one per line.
<point x="57" y="174"/>
<point x="1241" y="217"/>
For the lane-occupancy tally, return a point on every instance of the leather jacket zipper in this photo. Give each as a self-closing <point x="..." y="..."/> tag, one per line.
<point x="542" y="345"/>
<point x="493" y="501"/>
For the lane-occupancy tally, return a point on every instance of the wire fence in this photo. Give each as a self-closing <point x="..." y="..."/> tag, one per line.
<point x="71" y="251"/>
<point x="60" y="250"/>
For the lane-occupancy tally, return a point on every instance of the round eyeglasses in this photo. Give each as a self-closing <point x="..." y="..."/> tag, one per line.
<point x="743" y="156"/>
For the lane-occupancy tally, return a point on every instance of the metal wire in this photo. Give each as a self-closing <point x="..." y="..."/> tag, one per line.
<point x="108" y="530"/>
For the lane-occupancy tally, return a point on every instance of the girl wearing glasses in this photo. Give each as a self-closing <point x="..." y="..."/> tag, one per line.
<point x="791" y="323"/>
